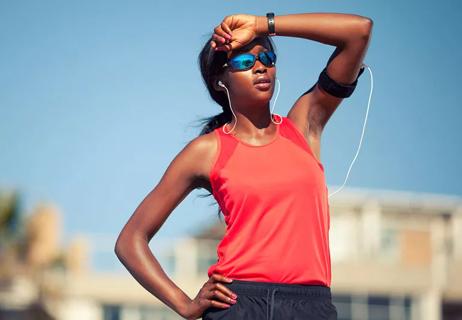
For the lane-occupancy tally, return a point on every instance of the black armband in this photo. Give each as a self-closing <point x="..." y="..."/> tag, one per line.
<point x="334" y="88"/>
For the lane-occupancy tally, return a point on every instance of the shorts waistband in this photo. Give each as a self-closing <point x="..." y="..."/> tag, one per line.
<point x="258" y="288"/>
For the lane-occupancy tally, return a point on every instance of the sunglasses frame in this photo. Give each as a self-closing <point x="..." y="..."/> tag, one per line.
<point x="255" y="58"/>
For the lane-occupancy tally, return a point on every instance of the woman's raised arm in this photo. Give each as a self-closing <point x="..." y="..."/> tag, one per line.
<point x="350" y="34"/>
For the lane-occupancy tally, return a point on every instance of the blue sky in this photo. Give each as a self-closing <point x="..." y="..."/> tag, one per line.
<point x="96" y="99"/>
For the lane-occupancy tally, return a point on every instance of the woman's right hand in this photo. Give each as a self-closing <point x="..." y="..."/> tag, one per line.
<point x="212" y="294"/>
<point x="234" y="32"/>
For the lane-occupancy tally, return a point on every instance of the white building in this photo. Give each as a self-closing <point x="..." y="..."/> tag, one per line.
<point x="395" y="255"/>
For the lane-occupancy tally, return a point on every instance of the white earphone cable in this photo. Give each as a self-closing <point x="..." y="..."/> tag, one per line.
<point x="229" y="101"/>
<point x="362" y="133"/>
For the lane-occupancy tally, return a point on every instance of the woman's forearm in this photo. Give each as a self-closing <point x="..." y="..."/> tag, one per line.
<point x="336" y="29"/>
<point x="136" y="256"/>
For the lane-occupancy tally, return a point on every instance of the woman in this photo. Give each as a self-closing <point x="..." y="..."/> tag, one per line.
<point x="263" y="169"/>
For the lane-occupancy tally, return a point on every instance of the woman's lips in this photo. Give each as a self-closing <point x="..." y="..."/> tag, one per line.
<point x="263" y="85"/>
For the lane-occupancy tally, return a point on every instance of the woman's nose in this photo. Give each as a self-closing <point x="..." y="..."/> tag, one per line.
<point x="259" y="66"/>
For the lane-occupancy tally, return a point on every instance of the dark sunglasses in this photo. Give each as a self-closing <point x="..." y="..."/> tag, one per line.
<point x="245" y="61"/>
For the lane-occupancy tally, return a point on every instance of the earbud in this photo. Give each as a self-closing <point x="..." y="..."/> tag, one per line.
<point x="221" y="84"/>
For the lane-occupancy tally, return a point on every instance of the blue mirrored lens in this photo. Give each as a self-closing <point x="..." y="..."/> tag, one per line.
<point x="271" y="56"/>
<point x="243" y="61"/>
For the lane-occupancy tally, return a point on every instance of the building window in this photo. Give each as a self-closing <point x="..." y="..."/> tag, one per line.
<point x="207" y="255"/>
<point x="378" y="307"/>
<point x="168" y="263"/>
<point x="372" y="307"/>
<point x="111" y="312"/>
<point x="389" y="245"/>
<point x="158" y="313"/>
<point x="343" y="305"/>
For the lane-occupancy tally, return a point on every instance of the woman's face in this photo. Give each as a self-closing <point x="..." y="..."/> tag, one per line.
<point x="241" y="84"/>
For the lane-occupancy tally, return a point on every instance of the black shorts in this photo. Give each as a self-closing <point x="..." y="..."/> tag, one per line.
<point x="275" y="301"/>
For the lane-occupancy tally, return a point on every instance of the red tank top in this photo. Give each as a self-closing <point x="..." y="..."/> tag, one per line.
<point x="275" y="204"/>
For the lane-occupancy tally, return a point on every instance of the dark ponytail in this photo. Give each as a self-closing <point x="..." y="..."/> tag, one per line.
<point x="210" y="64"/>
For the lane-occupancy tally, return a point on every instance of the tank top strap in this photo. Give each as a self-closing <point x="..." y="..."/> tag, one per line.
<point x="227" y="143"/>
<point x="290" y="131"/>
<point x="225" y="148"/>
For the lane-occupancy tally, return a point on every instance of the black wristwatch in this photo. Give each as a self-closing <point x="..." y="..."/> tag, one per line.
<point x="271" y="29"/>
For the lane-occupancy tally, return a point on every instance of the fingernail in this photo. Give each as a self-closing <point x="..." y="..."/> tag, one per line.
<point x="234" y="296"/>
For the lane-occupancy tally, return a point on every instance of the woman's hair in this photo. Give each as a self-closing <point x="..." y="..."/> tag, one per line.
<point x="210" y="63"/>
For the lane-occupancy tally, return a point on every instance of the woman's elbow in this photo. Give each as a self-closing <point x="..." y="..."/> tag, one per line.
<point x="118" y="248"/>
<point x="368" y="23"/>
<point x="123" y="243"/>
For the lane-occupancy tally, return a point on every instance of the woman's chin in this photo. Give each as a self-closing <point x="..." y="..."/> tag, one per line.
<point x="265" y="93"/>
<point x="262" y="98"/>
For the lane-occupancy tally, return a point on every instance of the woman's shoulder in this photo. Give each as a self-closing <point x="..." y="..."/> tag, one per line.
<point x="205" y="142"/>
<point x="203" y="150"/>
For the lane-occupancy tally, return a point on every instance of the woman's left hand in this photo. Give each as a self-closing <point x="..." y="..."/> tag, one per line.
<point x="234" y="32"/>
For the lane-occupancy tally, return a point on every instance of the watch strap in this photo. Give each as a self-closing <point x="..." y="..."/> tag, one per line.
<point x="271" y="27"/>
